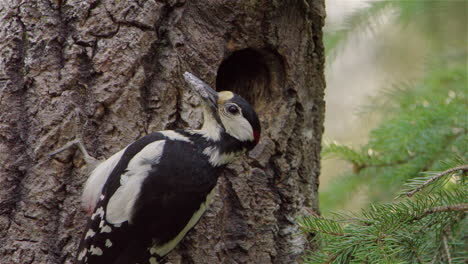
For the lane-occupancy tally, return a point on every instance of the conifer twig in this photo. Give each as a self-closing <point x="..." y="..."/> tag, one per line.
<point x="440" y="209"/>
<point x="436" y="177"/>
<point x="332" y="259"/>
<point x="434" y="259"/>
<point x="314" y="230"/>
<point x="447" y="250"/>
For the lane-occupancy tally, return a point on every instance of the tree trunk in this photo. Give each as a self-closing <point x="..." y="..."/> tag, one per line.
<point x="111" y="71"/>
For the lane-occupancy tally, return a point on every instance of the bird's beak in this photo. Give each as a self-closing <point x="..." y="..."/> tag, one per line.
<point x="209" y="96"/>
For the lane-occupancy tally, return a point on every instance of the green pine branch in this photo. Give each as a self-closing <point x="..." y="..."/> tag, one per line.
<point x="416" y="185"/>
<point x="424" y="130"/>
<point x="422" y="229"/>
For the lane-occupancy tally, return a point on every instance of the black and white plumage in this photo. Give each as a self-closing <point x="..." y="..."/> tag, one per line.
<point x="146" y="197"/>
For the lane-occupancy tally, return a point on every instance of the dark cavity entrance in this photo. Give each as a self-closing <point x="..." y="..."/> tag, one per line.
<point x="247" y="73"/>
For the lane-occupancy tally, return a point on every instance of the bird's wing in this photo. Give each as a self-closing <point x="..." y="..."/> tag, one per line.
<point x="108" y="232"/>
<point x="149" y="200"/>
<point x="174" y="196"/>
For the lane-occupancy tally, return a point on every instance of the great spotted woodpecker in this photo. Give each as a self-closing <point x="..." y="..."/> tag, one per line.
<point x="146" y="197"/>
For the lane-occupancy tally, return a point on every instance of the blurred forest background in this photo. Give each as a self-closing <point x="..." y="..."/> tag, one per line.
<point x="396" y="123"/>
<point x="386" y="59"/>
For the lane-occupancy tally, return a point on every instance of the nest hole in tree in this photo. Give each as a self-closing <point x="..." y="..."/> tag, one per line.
<point x="249" y="73"/>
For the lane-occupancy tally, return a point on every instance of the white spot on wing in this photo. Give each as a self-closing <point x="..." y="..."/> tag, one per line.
<point x="166" y="248"/>
<point x="90" y="233"/>
<point x="82" y="254"/>
<point x="121" y="203"/>
<point x="108" y="243"/>
<point x="106" y="229"/>
<point x="95" y="251"/>
<point x="152" y="260"/>
<point x="97" y="179"/>
<point x="99" y="212"/>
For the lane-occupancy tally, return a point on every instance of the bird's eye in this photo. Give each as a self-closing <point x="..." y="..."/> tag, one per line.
<point x="233" y="109"/>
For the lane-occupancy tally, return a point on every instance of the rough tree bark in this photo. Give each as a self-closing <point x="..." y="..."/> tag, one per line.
<point x="111" y="71"/>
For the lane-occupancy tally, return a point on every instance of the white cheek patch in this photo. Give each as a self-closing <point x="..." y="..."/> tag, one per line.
<point x="238" y="127"/>
<point x="120" y="206"/>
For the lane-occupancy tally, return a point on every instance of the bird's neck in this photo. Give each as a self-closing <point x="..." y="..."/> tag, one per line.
<point x="220" y="147"/>
<point x="211" y="129"/>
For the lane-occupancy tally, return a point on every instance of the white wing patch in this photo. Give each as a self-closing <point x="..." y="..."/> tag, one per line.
<point x="97" y="179"/>
<point x="119" y="208"/>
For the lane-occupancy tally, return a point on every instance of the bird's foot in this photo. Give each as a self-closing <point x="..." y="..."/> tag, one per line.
<point x="76" y="142"/>
<point x="90" y="161"/>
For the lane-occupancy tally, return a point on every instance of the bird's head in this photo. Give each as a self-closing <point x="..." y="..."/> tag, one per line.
<point x="226" y="112"/>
